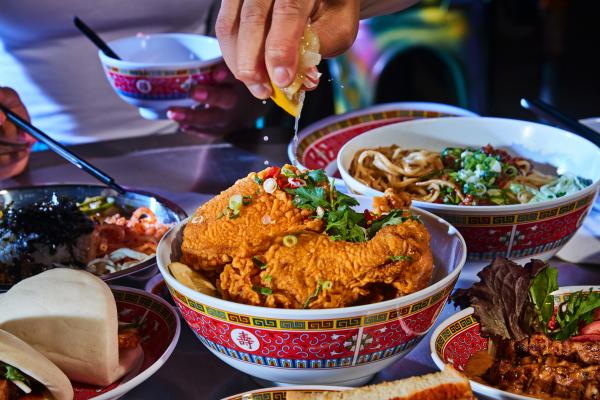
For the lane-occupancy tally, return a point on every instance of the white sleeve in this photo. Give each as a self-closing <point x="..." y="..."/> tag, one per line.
<point x="372" y="8"/>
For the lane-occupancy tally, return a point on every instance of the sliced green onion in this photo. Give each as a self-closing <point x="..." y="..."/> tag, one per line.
<point x="267" y="278"/>
<point x="290" y="240"/>
<point x="287" y="172"/>
<point x="270" y="185"/>
<point x="401" y="258"/>
<point x="259" y="263"/>
<point x="258" y="180"/>
<point x="236" y="201"/>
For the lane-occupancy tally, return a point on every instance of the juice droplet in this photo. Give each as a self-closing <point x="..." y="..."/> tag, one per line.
<point x="264" y="102"/>
<point x="266" y="138"/>
<point x="266" y="162"/>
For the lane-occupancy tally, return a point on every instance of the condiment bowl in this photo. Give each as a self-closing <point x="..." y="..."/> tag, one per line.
<point x="342" y="346"/>
<point x="157" y="71"/>
<point x="458" y="338"/>
<point x="518" y="231"/>
<point x="318" y="144"/>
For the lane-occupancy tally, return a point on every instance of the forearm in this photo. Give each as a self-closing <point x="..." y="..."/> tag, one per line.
<point x="372" y="8"/>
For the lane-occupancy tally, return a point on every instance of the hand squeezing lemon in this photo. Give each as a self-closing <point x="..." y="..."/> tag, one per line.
<point x="291" y="98"/>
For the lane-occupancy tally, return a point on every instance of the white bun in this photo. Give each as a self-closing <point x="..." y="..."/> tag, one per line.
<point x="17" y="353"/>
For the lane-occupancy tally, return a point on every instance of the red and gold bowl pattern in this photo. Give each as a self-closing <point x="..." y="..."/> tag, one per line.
<point x="539" y="231"/>
<point x="458" y="338"/>
<point x="157" y="84"/>
<point x="159" y="330"/>
<point x="344" y="346"/>
<point x="319" y="144"/>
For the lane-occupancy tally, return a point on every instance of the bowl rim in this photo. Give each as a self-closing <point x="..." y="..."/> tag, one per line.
<point x="179" y="212"/>
<point x="315" y="313"/>
<point x="479" y="387"/>
<point x="593" y="187"/>
<point x="162" y="359"/>
<point x="376" y="108"/>
<point x="133" y="65"/>
<point x="293" y="388"/>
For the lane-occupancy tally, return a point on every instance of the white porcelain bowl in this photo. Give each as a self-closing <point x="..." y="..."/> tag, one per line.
<point x="157" y="71"/>
<point x="514" y="231"/>
<point x="458" y="338"/>
<point x="342" y="346"/>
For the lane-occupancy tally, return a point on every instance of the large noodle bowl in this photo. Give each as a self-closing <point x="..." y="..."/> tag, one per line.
<point x="460" y="176"/>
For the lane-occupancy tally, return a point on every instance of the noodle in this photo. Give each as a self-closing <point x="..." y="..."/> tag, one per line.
<point x="465" y="176"/>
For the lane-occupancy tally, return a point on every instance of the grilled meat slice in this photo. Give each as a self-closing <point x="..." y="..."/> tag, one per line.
<point x="539" y="345"/>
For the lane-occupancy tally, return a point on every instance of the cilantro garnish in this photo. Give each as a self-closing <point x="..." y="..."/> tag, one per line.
<point x="317" y="176"/>
<point x="395" y="217"/>
<point x="263" y="290"/>
<point x="13" y="374"/>
<point x="334" y="207"/>
<point x="258" y="180"/>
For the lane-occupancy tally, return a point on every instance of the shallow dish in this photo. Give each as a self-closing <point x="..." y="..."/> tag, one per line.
<point x="514" y="231"/>
<point x="165" y="210"/>
<point x="280" y="393"/>
<point x="157" y="71"/>
<point x="342" y="346"/>
<point x="318" y="144"/>
<point x="457" y="338"/>
<point x="160" y="335"/>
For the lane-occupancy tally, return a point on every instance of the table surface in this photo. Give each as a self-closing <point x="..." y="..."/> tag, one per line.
<point x="186" y="170"/>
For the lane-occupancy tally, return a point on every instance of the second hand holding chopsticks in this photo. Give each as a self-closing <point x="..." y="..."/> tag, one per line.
<point x="61" y="150"/>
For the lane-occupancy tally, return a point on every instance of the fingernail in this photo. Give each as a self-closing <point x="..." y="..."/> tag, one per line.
<point x="260" y="90"/>
<point x="175" y="115"/>
<point x="221" y="75"/>
<point x="281" y="76"/>
<point x="200" y="94"/>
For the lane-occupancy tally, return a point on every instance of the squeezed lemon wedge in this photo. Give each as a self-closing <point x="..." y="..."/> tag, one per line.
<point x="291" y="98"/>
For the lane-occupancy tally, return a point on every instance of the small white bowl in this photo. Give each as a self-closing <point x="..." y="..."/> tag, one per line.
<point x="157" y="71"/>
<point x="515" y="231"/>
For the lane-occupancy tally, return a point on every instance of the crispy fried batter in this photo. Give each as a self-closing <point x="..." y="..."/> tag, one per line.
<point x="247" y="257"/>
<point x="358" y="272"/>
<point x="211" y="239"/>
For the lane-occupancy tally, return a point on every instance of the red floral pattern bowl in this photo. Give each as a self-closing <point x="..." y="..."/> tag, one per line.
<point x="318" y="144"/>
<point x="160" y="327"/>
<point x="517" y="231"/>
<point x="458" y="338"/>
<point x="343" y="346"/>
<point x="157" y="71"/>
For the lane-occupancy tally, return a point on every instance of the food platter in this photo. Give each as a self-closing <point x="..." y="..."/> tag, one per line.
<point x="165" y="211"/>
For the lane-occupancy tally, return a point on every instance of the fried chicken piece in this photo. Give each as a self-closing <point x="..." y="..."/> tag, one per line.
<point x="319" y="272"/>
<point x="212" y="238"/>
<point x="391" y="201"/>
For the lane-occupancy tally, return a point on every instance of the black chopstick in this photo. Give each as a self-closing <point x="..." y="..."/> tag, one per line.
<point x="93" y="36"/>
<point x="61" y="150"/>
<point x="560" y="119"/>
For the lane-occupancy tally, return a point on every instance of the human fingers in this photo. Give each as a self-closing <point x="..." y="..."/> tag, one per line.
<point x="11" y="100"/>
<point x="288" y="20"/>
<point x="251" y="69"/>
<point x="336" y="38"/>
<point x="226" y="28"/>
<point x="220" y="96"/>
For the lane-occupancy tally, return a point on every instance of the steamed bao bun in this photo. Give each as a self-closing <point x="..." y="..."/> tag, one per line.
<point x="69" y="316"/>
<point x="17" y="353"/>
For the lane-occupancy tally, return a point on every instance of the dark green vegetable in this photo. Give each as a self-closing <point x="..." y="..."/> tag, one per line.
<point x="544" y="283"/>
<point x="13" y="374"/>
<point x="577" y="310"/>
